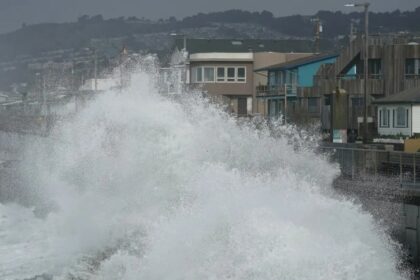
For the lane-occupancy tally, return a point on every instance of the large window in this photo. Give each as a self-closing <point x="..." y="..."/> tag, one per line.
<point x="197" y="74"/>
<point x="221" y="74"/>
<point x="375" y="68"/>
<point x="211" y="74"/>
<point x="208" y="74"/>
<point x="384" y="117"/>
<point x="240" y="74"/>
<point x="357" y="102"/>
<point x="401" y="117"/>
<point x="313" y="105"/>
<point x="231" y="74"/>
<point x="412" y="67"/>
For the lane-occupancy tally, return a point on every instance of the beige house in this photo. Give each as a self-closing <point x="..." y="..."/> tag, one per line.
<point x="225" y="69"/>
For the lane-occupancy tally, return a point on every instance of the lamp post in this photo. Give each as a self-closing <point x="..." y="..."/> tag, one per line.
<point x="366" y="58"/>
<point x="317" y="35"/>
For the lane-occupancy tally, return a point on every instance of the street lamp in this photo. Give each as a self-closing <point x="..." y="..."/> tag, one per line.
<point x="366" y="57"/>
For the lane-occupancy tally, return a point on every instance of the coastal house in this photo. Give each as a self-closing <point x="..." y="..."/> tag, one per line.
<point x="399" y="114"/>
<point x="225" y="69"/>
<point x="393" y="67"/>
<point x="288" y="91"/>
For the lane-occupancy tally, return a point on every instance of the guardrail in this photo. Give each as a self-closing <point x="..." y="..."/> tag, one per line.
<point x="355" y="162"/>
<point x="263" y="91"/>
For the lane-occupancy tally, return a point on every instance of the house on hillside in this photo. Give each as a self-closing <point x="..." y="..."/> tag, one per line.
<point x="288" y="91"/>
<point x="399" y="114"/>
<point x="225" y="69"/>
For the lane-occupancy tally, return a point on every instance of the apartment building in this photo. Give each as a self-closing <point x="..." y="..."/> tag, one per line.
<point x="288" y="91"/>
<point x="224" y="70"/>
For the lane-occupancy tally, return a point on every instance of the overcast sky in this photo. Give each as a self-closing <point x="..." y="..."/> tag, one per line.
<point x="14" y="12"/>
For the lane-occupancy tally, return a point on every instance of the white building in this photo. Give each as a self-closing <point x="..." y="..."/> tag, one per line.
<point x="399" y="114"/>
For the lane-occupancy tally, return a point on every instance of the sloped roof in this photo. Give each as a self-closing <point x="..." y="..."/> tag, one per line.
<point x="244" y="45"/>
<point x="298" y="62"/>
<point x="408" y="96"/>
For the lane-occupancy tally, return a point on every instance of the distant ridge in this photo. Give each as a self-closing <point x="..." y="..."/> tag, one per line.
<point x="143" y="34"/>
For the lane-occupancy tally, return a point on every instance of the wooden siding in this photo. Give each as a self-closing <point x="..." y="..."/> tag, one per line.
<point x="392" y="80"/>
<point x="347" y="55"/>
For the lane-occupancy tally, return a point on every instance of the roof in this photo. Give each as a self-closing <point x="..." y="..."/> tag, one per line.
<point x="298" y="62"/>
<point x="408" y="96"/>
<point x="244" y="57"/>
<point x="244" y="45"/>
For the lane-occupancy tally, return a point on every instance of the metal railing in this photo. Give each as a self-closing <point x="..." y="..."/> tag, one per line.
<point x="412" y="76"/>
<point x="275" y="90"/>
<point x="356" y="162"/>
<point x="371" y="76"/>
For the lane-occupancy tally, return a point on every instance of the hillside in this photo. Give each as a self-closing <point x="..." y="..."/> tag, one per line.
<point x="153" y="35"/>
<point x="71" y="47"/>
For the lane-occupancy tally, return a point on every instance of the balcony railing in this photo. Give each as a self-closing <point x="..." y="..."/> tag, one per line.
<point x="360" y="77"/>
<point x="412" y="76"/>
<point x="349" y="77"/>
<point x="267" y="91"/>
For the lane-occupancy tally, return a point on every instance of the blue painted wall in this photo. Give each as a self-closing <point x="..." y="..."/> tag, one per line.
<point x="305" y="74"/>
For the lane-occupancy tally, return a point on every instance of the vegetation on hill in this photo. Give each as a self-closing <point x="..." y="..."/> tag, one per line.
<point x="34" y="39"/>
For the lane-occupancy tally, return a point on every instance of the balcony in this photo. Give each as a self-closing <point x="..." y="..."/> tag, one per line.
<point x="276" y="91"/>
<point x="411" y="81"/>
<point x="352" y="84"/>
<point x="371" y="76"/>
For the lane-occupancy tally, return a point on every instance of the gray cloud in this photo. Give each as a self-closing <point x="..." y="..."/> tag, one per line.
<point x="14" y="12"/>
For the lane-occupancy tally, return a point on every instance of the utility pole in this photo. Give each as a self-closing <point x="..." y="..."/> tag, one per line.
<point x="366" y="67"/>
<point x="317" y="35"/>
<point x="366" y="60"/>
<point x="353" y="30"/>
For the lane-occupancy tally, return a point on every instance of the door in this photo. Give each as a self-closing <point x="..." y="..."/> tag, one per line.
<point x="242" y="106"/>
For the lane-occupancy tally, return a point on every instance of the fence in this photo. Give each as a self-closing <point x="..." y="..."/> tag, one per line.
<point x="355" y="162"/>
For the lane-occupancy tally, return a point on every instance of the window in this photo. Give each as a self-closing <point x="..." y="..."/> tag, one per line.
<point x="272" y="78"/>
<point x="273" y="108"/>
<point x="357" y="102"/>
<point x="208" y="74"/>
<point x="221" y="74"/>
<point x="199" y="74"/>
<point x="240" y="74"/>
<point x="327" y="100"/>
<point x="384" y="117"/>
<point x="412" y="67"/>
<point x="211" y="74"/>
<point x="313" y="105"/>
<point x="230" y="74"/>
<point x="375" y="68"/>
<point x="401" y="117"/>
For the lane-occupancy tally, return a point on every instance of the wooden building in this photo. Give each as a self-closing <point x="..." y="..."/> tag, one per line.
<point x="393" y="66"/>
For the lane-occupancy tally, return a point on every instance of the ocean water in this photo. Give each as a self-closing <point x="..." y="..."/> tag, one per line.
<point x="141" y="186"/>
